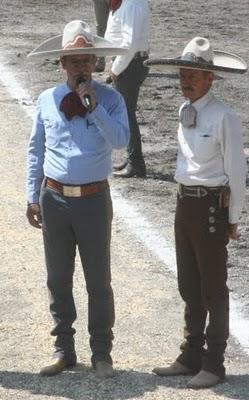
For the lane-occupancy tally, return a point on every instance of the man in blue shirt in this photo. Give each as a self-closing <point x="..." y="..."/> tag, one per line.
<point x="76" y="126"/>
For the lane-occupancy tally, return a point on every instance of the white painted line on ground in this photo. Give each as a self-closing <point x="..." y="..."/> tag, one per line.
<point x="15" y="89"/>
<point x="149" y="236"/>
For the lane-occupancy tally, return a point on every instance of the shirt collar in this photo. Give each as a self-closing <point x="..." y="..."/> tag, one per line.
<point x="203" y="101"/>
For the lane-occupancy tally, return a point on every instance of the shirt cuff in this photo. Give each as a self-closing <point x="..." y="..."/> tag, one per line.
<point x="121" y="63"/>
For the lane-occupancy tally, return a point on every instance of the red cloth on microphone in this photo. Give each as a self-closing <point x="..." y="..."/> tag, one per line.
<point x="71" y="105"/>
<point x="115" y="4"/>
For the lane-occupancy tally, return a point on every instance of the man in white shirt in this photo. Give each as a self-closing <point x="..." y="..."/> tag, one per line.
<point x="128" y="25"/>
<point x="211" y="174"/>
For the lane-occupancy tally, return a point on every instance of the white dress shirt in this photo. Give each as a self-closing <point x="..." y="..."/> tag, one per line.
<point x="211" y="154"/>
<point x="128" y="26"/>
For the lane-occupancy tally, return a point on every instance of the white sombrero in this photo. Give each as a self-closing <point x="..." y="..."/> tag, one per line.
<point x="198" y="54"/>
<point x="77" y="39"/>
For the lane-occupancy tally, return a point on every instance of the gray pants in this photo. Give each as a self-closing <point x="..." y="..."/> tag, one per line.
<point x="84" y="222"/>
<point x="101" y="9"/>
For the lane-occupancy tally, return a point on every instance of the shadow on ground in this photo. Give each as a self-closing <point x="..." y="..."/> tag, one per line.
<point x="74" y="383"/>
<point x="81" y="381"/>
<point x="234" y="387"/>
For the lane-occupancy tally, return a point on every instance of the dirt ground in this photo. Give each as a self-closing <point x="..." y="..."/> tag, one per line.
<point x="25" y="23"/>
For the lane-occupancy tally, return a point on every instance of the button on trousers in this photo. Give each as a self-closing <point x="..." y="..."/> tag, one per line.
<point x="201" y="236"/>
<point x="83" y="222"/>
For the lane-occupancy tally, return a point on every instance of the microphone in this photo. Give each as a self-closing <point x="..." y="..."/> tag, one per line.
<point x="86" y="97"/>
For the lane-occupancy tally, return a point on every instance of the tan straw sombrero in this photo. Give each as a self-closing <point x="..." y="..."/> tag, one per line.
<point x="77" y="39"/>
<point x="198" y="54"/>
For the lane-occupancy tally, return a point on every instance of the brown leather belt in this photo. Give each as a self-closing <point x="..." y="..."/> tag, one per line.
<point x="76" y="190"/>
<point x="198" y="191"/>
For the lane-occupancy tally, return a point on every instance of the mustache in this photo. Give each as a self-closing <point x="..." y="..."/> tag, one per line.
<point x="189" y="88"/>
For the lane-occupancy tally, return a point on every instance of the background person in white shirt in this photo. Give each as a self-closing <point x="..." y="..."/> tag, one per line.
<point x="128" y="25"/>
<point x="211" y="173"/>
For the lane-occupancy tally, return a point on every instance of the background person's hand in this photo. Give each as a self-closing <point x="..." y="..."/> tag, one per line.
<point x="33" y="214"/>
<point x="113" y="76"/>
<point x="108" y="79"/>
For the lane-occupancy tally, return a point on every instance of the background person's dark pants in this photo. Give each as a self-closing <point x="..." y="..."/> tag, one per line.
<point x="84" y="222"/>
<point x="201" y="238"/>
<point x="128" y="84"/>
<point x="101" y="9"/>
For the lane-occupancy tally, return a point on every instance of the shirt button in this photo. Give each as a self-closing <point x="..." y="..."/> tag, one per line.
<point x="211" y="220"/>
<point x="212" y="229"/>
<point x="212" y="209"/>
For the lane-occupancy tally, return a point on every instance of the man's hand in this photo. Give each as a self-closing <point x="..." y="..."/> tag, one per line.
<point x="233" y="231"/>
<point x="85" y="89"/>
<point x="33" y="214"/>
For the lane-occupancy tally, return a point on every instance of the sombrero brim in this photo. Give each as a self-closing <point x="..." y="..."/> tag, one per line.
<point x="52" y="48"/>
<point x="223" y="62"/>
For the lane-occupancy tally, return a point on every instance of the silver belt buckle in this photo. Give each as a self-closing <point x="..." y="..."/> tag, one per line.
<point x="72" y="191"/>
<point x="204" y="192"/>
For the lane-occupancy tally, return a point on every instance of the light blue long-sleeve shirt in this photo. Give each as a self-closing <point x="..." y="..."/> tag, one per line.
<point x="76" y="151"/>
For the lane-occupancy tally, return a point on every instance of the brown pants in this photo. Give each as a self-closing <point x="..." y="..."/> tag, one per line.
<point x="201" y="237"/>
